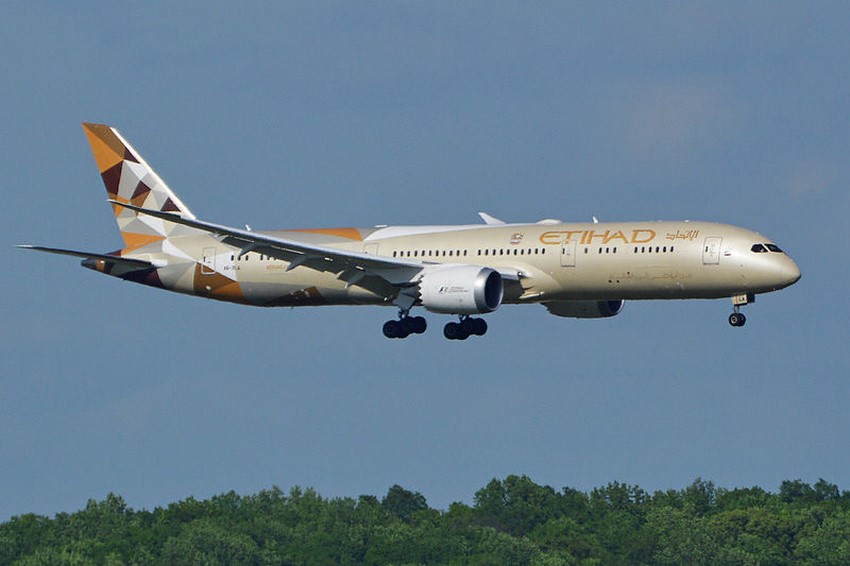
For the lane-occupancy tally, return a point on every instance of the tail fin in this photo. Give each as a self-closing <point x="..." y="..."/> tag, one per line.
<point x="128" y="178"/>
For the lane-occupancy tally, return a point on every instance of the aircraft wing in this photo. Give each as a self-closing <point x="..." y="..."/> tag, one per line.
<point x="382" y="275"/>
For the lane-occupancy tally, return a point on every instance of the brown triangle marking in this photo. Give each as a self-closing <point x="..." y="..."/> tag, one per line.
<point x="169" y="206"/>
<point x="105" y="145"/>
<point x="112" y="177"/>
<point x="128" y="155"/>
<point x="142" y="191"/>
<point x="220" y="287"/>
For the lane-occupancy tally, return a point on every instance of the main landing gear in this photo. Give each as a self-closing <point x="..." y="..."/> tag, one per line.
<point x="404" y="326"/>
<point x="737" y="318"/>
<point x="467" y="327"/>
<point x="407" y="325"/>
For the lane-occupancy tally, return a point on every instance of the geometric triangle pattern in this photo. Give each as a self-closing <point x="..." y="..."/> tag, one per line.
<point x="128" y="178"/>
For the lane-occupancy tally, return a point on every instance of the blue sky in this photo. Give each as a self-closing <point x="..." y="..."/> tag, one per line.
<point x="356" y="114"/>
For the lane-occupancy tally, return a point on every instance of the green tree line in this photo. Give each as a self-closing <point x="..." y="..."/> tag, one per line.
<point x="511" y="521"/>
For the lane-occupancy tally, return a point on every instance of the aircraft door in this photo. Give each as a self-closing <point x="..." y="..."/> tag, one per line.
<point x="208" y="263"/>
<point x="371" y="249"/>
<point x="711" y="250"/>
<point x="568" y="254"/>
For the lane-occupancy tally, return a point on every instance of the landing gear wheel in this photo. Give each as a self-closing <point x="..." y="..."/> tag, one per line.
<point x="737" y="319"/>
<point x="392" y="329"/>
<point x="455" y="331"/>
<point x="419" y="324"/>
<point x="408" y="326"/>
<point x="479" y="326"/>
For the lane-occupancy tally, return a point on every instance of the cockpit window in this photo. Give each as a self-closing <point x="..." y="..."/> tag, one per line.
<point x="758" y="248"/>
<point x="773" y="248"/>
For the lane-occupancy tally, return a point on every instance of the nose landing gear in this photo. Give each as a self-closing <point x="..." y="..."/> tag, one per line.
<point x="467" y="327"/>
<point x="737" y="318"/>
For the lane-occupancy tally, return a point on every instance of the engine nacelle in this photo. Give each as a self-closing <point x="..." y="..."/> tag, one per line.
<point x="584" y="309"/>
<point x="461" y="289"/>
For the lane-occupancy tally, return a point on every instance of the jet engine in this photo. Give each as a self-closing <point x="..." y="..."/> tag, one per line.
<point x="584" y="309"/>
<point x="461" y="289"/>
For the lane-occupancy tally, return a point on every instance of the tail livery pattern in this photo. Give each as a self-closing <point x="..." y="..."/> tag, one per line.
<point x="128" y="178"/>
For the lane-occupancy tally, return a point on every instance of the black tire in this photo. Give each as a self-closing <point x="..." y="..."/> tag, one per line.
<point x="408" y="325"/>
<point x="454" y="331"/>
<point x="479" y="326"/>
<point x="467" y="326"/>
<point x="737" y="319"/>
<point x="392" y="329"/>
<point x="419" y="324"/>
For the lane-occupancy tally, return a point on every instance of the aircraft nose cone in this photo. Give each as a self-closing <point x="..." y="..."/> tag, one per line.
<point x="789" y="272"/>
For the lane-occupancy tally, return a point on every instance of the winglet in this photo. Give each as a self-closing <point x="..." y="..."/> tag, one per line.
<point x="492" y="220"/>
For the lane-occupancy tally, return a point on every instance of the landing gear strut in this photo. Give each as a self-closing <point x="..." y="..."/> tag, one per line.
<point x="737" y="318"/>
<point x="465" y="328"/>
<point x="404" y="326"/>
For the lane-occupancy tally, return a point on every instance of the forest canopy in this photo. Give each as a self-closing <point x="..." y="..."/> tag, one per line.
<point x="511" y="521"/>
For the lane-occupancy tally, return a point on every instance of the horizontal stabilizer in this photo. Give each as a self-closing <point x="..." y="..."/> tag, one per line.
<point x="117" y="260"/>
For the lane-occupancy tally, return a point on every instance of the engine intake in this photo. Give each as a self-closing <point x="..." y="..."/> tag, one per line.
<point x="584" y="309"/>
<point x="461" y="289"/>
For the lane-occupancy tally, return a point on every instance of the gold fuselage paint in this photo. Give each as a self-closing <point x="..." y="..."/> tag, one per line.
<point x="550" y="262"/>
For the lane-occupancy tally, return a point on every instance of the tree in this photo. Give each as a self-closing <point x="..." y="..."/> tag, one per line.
<point x="403" y="503"/>
<point x="205" y="543"/>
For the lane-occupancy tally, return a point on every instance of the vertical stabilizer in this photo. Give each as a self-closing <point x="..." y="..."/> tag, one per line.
<point x="128" y="178"/>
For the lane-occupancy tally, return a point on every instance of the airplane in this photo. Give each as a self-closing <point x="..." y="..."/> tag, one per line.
<point x="576" y="270"/>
